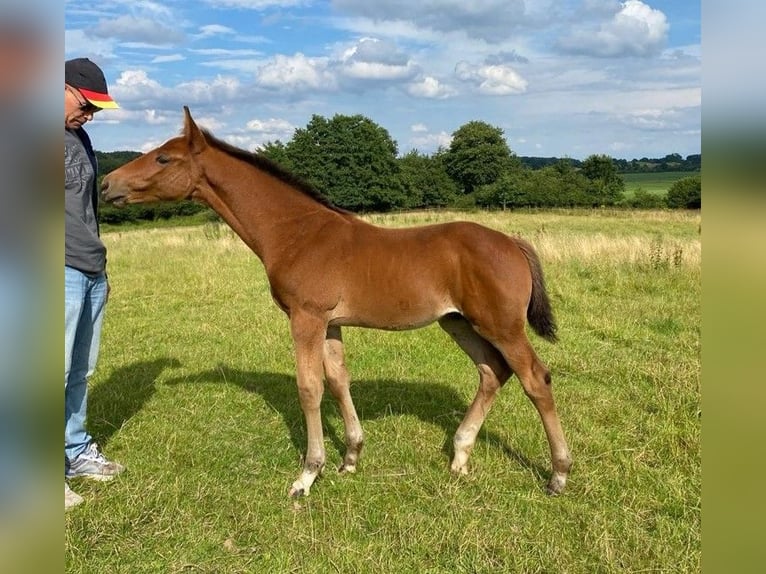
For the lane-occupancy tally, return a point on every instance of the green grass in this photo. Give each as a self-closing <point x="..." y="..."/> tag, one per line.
<point x="656" y="183"/>
<point x="195" y="393"/>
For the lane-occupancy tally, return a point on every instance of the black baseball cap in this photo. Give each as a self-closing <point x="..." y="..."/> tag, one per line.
<point x="89" y="80"/>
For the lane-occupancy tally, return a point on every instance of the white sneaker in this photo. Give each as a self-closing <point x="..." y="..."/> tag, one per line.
<point x="93" y="464"/>
<point x="71" y="498"/>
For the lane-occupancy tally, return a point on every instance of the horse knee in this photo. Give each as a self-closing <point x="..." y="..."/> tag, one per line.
<point x="310" y="397"/>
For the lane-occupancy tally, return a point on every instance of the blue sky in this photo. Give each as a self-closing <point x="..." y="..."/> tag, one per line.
<point x="560" y="78"/>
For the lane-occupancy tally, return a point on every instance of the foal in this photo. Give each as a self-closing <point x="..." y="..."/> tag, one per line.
<point x="328" y="269"/>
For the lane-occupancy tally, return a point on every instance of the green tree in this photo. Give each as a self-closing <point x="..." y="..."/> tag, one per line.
<point x="111" y="160"/>
<point x="478" y="155"/>
<point x="426" y="182"/>
<point x="509" y="191"/>
<point x="277" y="152"/>
<point x="571" y="184"/>
<point x="606" y="186"/>
<point x="686" y="193"/>
<point x="350" y="159"/>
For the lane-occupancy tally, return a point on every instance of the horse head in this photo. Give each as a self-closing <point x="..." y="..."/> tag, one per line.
<point x="169" y="172"/>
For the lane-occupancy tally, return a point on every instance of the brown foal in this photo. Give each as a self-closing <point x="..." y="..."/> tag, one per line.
<point x="328" y="269"/>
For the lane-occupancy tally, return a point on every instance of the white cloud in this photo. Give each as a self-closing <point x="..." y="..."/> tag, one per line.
<point x="489" y="20"/>
<point x="242" y="61"/>
<point x="257" y="4"/>
<point x="128" y="28"/>
<point x="211" y="30"/>
<point x="225" y="52"/>
<point x="429" y="87"/>
<point x="210" y="123"/>
<point x="649" y="119"/>
<point x="422" y="139"/>
<point x="659" y="120"/>
<point x="152" y="9"/>
<point x="222" y="88"/>
<point x="377" y="71"/>
<point x="399" y="29"/>
<point x="153" y="117"/>
<point x="168" y="58"/>
<point x="78" y="43"/>
<point x="270" y="125"/>
<point x="271" y="129"/>
<point x="377" y="60"/>
<point x="295" y="73"/>
<point x="136" y="86"/>
<point x="248" y="66"/>
<point x="491" y="80"/>
<point x="375" y="50"/>
<point x="636" y="29"/>
<point x="429" y="141"/>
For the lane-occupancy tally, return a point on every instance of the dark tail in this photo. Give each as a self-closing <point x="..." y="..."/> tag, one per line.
<point x="539" y="312"/>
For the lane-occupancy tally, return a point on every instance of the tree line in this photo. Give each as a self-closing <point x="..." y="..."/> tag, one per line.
<point x="671" y="162"/>
<point x="355" y="163"/>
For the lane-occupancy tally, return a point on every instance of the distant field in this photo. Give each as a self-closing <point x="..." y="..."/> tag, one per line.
<point x="653" y="182"/>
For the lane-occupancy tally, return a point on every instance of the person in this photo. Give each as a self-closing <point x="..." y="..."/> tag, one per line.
<point x="86" y="285"/>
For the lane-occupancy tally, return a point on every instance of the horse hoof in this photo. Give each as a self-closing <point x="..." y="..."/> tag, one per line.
<point x="296" y="492"/>
<point x="555" y="486"/>
<point x="347" y="469"/>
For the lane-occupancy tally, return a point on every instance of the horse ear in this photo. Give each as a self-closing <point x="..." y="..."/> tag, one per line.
<point x="194" y="136"/>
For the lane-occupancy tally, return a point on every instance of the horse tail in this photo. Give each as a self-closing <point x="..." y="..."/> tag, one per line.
<point x="539" y="312"/>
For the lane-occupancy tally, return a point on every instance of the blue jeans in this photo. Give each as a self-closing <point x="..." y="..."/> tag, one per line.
<point x="84" y="302"/>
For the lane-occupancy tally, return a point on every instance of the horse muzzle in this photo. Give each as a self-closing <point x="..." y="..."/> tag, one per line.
<point x="111" y="192"/>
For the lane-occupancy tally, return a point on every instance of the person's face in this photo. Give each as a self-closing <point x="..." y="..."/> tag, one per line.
<point x="77" y="110"/>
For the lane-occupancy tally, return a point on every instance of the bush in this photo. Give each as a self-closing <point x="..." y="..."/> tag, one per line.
<point x="146" y="211"/>
<point x="642" y="199"/>
<point x="686" y="193"/>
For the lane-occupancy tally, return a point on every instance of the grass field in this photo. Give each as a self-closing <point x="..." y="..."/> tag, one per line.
<point x="656" y="183"/>
<point x="195" y="394"/>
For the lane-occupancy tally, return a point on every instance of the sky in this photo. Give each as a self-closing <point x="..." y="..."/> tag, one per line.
<point x="567" y="78"/>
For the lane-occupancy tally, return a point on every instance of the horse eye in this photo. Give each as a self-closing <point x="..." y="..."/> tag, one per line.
<point x="162" y="159"/>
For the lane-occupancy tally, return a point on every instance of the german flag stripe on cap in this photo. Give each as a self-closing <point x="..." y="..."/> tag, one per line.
<point x="97" y="99"/>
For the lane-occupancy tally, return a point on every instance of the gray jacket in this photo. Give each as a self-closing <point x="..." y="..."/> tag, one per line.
<point x="83" y="247"/>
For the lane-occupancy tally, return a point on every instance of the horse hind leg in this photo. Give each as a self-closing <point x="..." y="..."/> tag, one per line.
<point x="493" y="373"/>
<point x="338" y="381"/>
<point x="535" y="379"/>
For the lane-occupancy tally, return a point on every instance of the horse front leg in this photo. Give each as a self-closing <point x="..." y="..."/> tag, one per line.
<point x="308" y="337"/>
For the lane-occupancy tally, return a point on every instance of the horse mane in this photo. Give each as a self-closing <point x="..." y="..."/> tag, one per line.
<point x="261" y="162"/>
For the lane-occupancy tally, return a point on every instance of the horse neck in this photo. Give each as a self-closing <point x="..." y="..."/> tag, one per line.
<point x="267" y="213"/>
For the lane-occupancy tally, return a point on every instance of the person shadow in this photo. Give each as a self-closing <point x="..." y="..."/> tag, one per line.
<point x="123" y="394"/>
<point x="433" y="403"/>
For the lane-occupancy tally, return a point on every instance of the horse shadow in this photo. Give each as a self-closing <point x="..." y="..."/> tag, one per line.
<point x="373" y="399"/>
<point x="116" y="400"/>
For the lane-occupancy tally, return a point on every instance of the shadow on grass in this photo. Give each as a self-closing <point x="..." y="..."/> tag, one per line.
<point x="432" y="403"/>
<point x="114" y="401"/>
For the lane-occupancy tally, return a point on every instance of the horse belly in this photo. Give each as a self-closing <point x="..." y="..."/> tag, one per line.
<point x="397" y="310"/>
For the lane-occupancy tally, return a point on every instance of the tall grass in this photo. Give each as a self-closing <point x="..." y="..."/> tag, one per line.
<point x="195" y="393"/>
